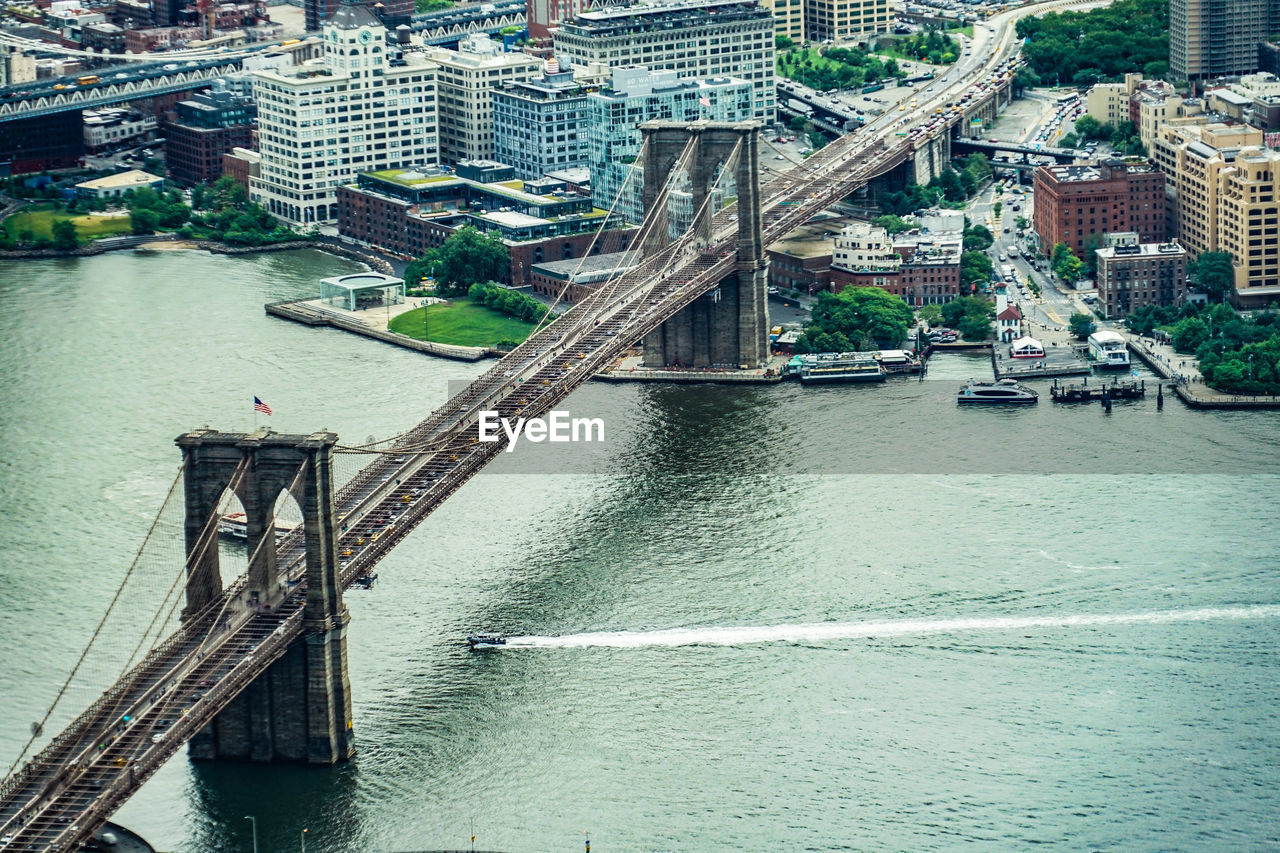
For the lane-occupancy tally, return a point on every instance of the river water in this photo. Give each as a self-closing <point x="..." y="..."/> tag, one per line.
<point x="755" y="618"/>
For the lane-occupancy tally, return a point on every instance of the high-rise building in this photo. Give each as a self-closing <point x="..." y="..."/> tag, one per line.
<point x="539" y="125"/>
<point x="1227" y="197"/>
<point x="1215" y="38"/>
<point x="468" y="78"/>
<point x="788" y="16"/>
<point x="1192" y="153"/>
<point x="1078" y="204"/>
<point x="637" y="95"/>
<point x="697" y="38"/>
<point x="358" y="108"/>
<point x="845" y="20"/>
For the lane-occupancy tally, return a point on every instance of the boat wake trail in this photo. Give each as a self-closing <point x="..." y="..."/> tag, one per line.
<point x="826" y="631"/>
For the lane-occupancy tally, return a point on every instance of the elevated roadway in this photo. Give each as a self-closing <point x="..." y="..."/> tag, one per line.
<point x="82" y="776"/>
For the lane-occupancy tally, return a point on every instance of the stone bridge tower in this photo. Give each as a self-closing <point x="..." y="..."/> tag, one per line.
<point x="300" y="708"/>
<point x="728" y="326"/>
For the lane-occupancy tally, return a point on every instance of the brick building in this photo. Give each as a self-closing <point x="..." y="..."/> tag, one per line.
<point x="1078" y="204"/>
<point x="207" y="126"/>
<point x="242" y="165"/>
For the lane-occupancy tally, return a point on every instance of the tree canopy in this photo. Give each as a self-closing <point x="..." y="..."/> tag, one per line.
<point x="1081" y="325"/>
<point x="1100" y="44"/>
<point x="465" y="258"/>
<point x="1065" y="264"/>
<point x="1214" y="272"/>
<point x="858" y="318"/>
<point x="971" y="316"/>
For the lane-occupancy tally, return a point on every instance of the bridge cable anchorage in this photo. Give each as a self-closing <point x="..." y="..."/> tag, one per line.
<point x="110" y="607"/>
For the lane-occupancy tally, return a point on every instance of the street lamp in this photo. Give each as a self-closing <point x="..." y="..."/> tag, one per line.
<point x="254" y="822"/>
<point x="302" y="839"/>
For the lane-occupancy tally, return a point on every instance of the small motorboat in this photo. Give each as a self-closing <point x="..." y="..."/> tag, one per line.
<point x="486" y="641"/>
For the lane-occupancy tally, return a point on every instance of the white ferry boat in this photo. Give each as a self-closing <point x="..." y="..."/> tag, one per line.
<point x="1108" y="350"/>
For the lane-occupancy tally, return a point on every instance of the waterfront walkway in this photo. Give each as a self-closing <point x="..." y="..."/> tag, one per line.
<point x="1188" y="383"/>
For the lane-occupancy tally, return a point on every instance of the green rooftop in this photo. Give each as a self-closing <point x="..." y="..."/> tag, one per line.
<point x="398" y="176"/>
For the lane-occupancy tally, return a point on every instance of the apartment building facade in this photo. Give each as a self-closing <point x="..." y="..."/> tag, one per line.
<point x="715" y="38"/>
<point x="1132" y="274"/>
<point x="1216" y="38"/>
<point x="467" y="80"/>
<point x="921" y="269"/>
<point x="846" y="20"/>
<point x="207" y="126"/>
<point x="354" y="110"/>
<point x="539" y="125"/>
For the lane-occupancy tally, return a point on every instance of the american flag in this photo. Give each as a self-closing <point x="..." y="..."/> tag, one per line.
<point x="259" y="406"/>
<point x="706" y="102"/>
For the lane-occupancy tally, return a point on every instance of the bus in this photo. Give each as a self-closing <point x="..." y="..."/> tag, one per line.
<point x="87" y="80"/>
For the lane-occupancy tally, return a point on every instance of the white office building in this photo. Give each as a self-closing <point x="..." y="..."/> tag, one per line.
<point x="362" y="107"/>
<point x="697" y="38"/>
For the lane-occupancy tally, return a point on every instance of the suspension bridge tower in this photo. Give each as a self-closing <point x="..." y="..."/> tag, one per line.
<point x="300" y="708"/>
<point x="728" y="326"/>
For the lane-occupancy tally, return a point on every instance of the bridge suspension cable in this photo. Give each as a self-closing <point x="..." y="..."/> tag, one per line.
<point x="37" y="729"/>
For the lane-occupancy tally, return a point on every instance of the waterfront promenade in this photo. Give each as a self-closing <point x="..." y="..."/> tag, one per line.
<point x="1188" y="383"/>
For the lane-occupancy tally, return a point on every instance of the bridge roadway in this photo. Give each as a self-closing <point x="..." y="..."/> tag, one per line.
<point x="87" y="771"/>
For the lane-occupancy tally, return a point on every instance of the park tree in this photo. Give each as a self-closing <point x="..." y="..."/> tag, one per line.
<point x="856" y="318"/>
<point x="228" y="192"/>
<point x="1069" y="140"/>
<point x="975" y="269"/>
<point x="64" y="234"/>
<point x="1065" y="264"/>
<point x="1080" y="325"/>
<point x="467" y="257"/>
<point x="891" y="223"/>
<point x="1089" y="127"/>
<point x="143" y="220"/>
<point x="931" y="314"/>
<point x="949" y="182"/>
<point x="977" y="238"/>
<point x="783" y="43"/>
<point x="1214" y="272"/>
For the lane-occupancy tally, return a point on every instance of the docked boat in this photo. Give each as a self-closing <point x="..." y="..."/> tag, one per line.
<point x="486" y="641"/>
<point x="1006" y="391"/>
<point x="234" y="526"/>
<point x="1108" y="350"/>
<point x="837" y="367"/>
<point x="898" y="361"/>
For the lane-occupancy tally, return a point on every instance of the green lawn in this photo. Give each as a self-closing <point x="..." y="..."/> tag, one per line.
<point x="39" y="219"/>
<point x="462" y="322"/>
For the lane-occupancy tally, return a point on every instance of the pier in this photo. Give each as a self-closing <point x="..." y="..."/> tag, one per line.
<point x="1086" y="393"/>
